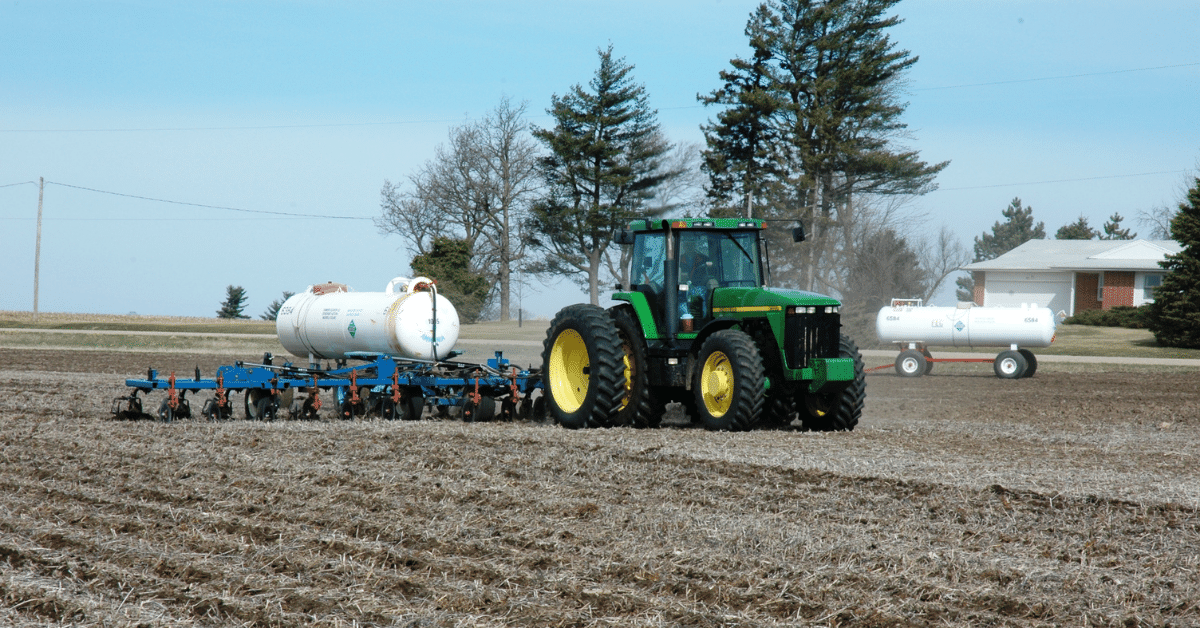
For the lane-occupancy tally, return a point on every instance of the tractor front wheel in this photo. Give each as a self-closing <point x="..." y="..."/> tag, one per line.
<point x="728" y="384"/>
<point x="838" y="411"/>
<point x="583" y="364"/>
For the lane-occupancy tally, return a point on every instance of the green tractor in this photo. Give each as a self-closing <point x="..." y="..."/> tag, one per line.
<point x="699" y="326"/>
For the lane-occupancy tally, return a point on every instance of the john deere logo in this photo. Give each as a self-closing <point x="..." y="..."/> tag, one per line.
<point x="352" y="329"/>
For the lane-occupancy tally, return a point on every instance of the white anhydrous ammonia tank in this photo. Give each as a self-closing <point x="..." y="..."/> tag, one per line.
<point x="329" y="321"/>
<point x="1025" y="326"/>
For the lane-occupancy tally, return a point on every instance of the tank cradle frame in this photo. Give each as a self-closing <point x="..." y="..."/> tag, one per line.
<point x="441" y="384"/>
<point x="915" y="360"/>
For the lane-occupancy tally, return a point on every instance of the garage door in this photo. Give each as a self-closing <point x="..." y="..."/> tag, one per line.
<point x="1052" y="290"/>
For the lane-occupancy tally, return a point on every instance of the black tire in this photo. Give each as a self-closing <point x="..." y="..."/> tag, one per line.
<point x="582" y="363"/>
<point x="538" y="414"/>
<point x="779" y="407"/>
<point x="259" y="404"/>
<point x="728" y="382"/>
<point x="911" y="363"/>
<point x="412" y="403"/>
<point x="635" y="407"/>
<point x="1030" y="362"/>
<point x="928" y="362"/>
<point x="482" y="412"/>
<point x="1010" y="365"/>
<point x="838" y="411"/>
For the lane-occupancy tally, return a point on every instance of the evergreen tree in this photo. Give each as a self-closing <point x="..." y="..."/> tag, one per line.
<point x="235" y="303"/>
<point x="605" y="160"/>
<point x="449" y="263"/>
<point x="1174" y="316"/>
<point x="810" y="123"/>
<point x="272" y="312"/>
<point x="1017" y="229"/>
<point x="1113" y="230"/>
<point x="1078" y="230"/>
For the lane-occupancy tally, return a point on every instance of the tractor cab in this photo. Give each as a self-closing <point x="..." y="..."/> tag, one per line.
<point x="690" y="260"/>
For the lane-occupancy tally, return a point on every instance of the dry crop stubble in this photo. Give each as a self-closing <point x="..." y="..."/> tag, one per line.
<point x="962" y="500"/>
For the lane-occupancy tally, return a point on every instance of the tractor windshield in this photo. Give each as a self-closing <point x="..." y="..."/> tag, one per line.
<point x="719" y="259"/>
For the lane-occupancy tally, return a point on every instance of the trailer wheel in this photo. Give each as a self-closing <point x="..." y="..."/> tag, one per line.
<point x="1010" y="365"/>
<point x="582" y="363"/>
<point x="1030" y="362"/>
<point x="911" y="363"/>
<point x="635" y="407"/>
<point x="729" y="384"/>
<point x="838" y="411"/>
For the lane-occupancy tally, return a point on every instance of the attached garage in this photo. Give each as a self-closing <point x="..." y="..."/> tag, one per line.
<point x="1012" y="289"/>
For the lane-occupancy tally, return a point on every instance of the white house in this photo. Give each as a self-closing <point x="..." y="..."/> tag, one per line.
<point x="1073" y="275"/>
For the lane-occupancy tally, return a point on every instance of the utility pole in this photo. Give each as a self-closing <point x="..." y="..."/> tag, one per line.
<point x="37" y="249"/>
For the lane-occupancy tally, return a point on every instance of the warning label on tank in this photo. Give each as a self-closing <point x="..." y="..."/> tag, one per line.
<point x="959" y="326"/>
<point x="352" y="329"/>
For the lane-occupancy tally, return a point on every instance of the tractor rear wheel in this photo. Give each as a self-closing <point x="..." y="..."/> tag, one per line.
<point x="635" y="407"/>
<point x="582" y="364"/>
<point x="838" y="411"/>
<point x="729" y="383"/>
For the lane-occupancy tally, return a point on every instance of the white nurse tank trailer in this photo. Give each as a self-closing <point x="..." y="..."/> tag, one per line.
<point x="915" y="328"/>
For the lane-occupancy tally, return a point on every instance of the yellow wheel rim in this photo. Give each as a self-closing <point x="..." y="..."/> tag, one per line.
<point x="627" y="360"/>
<point x="568" y="370"/>
<point x="716" y="384"/>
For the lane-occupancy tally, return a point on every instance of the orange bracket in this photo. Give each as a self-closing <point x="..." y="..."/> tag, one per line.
<point x="475" y="396"/>
<point x="314" y="394"/>
<point x="354" y="387"/>
<point x="172" y="394"/>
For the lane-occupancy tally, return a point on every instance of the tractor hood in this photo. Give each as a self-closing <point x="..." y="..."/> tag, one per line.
<point x="766" y="299"/>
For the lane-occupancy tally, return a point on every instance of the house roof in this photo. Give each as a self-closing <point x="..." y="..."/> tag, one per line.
<point x="1082" y="255"/>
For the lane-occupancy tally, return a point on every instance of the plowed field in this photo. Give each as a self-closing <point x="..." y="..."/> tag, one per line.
<point x="1066" y="499"/>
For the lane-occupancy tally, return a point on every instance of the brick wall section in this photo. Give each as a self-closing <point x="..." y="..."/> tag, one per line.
<point x="1118" y="289"/>
<point x="1085" y="291"/>
<point x="978" y="277"/>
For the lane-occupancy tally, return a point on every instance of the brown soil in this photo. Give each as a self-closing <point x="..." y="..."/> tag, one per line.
<point x="1065" y="499"/>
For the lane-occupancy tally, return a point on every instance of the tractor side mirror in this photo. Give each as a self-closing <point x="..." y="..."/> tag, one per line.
<point x="623" y="236"/>
<point x="798" y="233"/>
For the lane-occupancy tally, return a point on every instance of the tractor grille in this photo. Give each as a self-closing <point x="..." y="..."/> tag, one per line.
<point x="808" y="336"/>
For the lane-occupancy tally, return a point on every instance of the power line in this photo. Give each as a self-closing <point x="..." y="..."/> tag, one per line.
<point x="1114" y="176"/>
<point x="9" y="185"/>
<point x="1056" y="78"/>
<point x="231" y="128"/>
<point x="236" y="209"/>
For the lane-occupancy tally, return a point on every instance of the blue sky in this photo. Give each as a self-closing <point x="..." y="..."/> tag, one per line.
<point x="306" y="107"/>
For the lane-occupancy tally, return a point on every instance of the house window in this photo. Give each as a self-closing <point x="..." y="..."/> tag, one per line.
<point x="1100" y="286"/>
<point x="1149" y="283"/>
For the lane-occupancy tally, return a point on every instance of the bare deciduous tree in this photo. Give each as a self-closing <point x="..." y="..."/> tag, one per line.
<point x="477" y="189"/>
